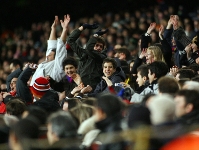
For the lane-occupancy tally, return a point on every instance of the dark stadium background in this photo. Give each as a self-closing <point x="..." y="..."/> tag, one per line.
<point x="14" y="13"/>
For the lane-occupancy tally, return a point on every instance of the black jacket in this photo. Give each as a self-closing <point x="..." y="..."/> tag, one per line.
<point x="108" y="125"/>
<point x="90" y="61"/>
<point x="14" y="74"/>
<point x="49" y="102"/>
<point x="117" y="77"/>
<point x="189" y="119"/>
<point x="23" y="90"/>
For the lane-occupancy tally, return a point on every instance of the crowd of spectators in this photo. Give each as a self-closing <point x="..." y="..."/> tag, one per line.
<point x="147" y="79"/>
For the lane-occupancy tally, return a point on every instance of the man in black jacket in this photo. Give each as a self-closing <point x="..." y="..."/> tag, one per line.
<point x="91" y="58"/>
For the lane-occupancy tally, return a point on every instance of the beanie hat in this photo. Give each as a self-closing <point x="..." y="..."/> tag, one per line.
<point x="40" y="87"/>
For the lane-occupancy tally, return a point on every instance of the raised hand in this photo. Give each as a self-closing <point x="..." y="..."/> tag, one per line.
<point x="90" y="26"/>
<point x="143" y="53"/>
<point x="169" y="25"/>
<point x="151" y="27"/>
<point x="100" y="32"/>
<point x="173" y="71"/>
<point x="66" y="21"/>
<point x="55" y="23"/>
<point x="188" y="50"/>
<point x="76" y="78"/>
<point x="161" y="31"/>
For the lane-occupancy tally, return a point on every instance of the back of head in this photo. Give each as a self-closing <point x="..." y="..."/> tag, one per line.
<point x="110" y="104"/>
<point x="162" y="108"/>
<point x="195" y="68"/>
<point x="15" y="107"/>
<point x="89" y="101"/>
<point x="168" y="85"/>
<point x="40" y="87"/>
<point x="16" y="63"/>
<point x="23" y="130"/>
<point x="37" y="112"/>
<point x="138" y="114"/>
<point x="63" y="124"/>
<point x="82" y="112"/>
<point x="125" y="51"/>
<point x="185" y="73"/>
<point x="159" y="68"/>
<point x="191" y="85"/>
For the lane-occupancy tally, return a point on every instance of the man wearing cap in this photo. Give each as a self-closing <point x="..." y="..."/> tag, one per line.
<point x="40" y="93"/>
<point x="56" y="53"/>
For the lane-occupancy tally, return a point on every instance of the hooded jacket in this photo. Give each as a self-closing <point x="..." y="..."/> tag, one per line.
<point x="117" y="77"/>
<point x="90" y="60"/>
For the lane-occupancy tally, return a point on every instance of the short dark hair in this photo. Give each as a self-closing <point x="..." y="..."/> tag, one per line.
<point x="143" y="69"/>
<point x="110" y="60"/>
<point x="190" y="96"/>
<point x="110" y="104"/>
<point x="63" y="124"/>
<point x="125" y="51"/>
<point x="100" y="39"/>
<point x="16" y="62"/>
<point x="168" y="85"/>
<point x="70" y="61"/>
<point x="185" y="73"/>
<point x="159" y="68"/>
<point x="25" y="129"/>
<point x="194" y="67"/>
<point x="15" y="107"/>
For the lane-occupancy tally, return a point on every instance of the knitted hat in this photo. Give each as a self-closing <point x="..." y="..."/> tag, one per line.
<point x="40" y="87"/>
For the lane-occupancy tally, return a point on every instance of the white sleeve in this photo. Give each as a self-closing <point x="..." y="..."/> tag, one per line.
<point x="61" y="53"/>
<point x="52" y="44"/>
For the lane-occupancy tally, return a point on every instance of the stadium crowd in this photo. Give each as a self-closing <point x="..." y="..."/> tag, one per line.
<point x="82" y="84"/>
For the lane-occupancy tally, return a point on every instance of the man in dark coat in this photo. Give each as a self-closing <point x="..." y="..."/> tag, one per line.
<point x="91" y="58"/>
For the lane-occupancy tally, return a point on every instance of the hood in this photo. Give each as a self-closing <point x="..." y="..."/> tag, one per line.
<point x="118" y="72"/>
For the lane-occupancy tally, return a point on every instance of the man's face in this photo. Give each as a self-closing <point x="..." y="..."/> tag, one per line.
<point x="151" y="76"/>
<point x="70" y="70"/>
<point x="108" y="69"/>
<point x="98" y="47"/>
<point x="180" y="106"/>
<point x="140" y="80"/>
<point x="13" y="84"/>
<point x="51" y="56"/>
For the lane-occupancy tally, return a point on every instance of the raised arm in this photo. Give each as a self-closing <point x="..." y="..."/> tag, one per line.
<point x="57" y="72"/>
<point x="53" y="29"/>
<point x="64" y="25"/>
<point x="179" y="33"/>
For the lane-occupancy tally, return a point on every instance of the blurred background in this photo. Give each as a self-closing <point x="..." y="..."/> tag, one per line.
<point x="15" y="13"/>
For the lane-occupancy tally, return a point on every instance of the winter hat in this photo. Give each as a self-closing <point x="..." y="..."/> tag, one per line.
<point x="40" y="87"/>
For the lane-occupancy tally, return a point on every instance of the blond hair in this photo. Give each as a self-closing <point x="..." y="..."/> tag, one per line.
<point x="157" y="53"/>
